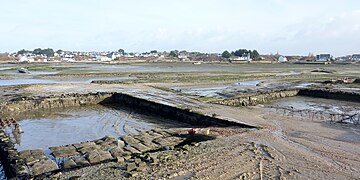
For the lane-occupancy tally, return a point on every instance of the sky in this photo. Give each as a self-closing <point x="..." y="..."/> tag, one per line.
<point x="290" y="27"/>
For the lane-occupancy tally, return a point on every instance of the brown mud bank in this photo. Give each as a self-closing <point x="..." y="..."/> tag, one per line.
<point x="266" y="97"/>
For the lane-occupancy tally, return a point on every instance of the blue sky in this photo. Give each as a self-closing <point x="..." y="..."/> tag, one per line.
<point x="287" y="26"/>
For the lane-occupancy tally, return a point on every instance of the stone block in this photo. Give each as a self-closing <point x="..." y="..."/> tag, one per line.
<point x="81" y="162"/>
<point x="132" y="150"/>
<point x="82" y="145"/>
<point x="130" y="167"/>
<point x="117" y="152"/>
<point x="69" y="164"/>
<point x="98" y="156"/>
<point x="43" y="166"/>
<point x="142" y="148"/>
<point x="130" y="140"/>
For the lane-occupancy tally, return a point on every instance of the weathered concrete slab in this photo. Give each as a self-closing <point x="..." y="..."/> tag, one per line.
<point x="81" y="162"/>
<point x="98" y="156"/>
<point x="119" y="152"/>
<point x="141" y="147"/>
<point x="108" y="142"/>
<point x="132" y="150"/>
<point x="64" y="151"/>
<point x="69" y="164"/>
<point x="43" y="166"/>
<point x="130" y="140"/>
<point x="85" y="144"/>
<point x="155" y="135"/>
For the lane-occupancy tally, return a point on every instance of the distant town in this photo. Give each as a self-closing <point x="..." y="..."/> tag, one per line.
<point x="241" y="55"/>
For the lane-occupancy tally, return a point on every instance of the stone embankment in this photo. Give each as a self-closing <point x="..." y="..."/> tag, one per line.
<point x="266" y="97"/>
<point x="23" y="104"/>
<point x="260" y="98"/>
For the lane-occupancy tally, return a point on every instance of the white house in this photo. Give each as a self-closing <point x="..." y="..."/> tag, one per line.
<point x="26" y="59"/>
<point x="244" y="57"/>
<point x="282" y="59"/>
<point x="103" y="58"/>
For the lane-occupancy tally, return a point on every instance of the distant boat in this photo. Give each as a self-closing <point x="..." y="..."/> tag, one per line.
<point x="197" y="63"/>
<point x="23" y="70"/>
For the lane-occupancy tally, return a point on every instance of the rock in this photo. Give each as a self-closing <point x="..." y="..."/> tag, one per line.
<point x="127" y="157"/>
<point x="117" y="152"/>
<point x="140" y="147"/>
<point x="120" y="144"/>
<point x="43" y="166"/>
<point x="82" y="145"/>
<point x="137" y="161"/>
<point x="130" y="167"/>
<point x="86" y="149"/>
<point x="130" y="140"/>
<point x="81" y="162"/>
<point x="69" y="164"/>
<point x="64" y="151"/>
<point x="186" y="147"/>
<point x="132" y="150"/>
<point x="98" y="156"/>
<point x="120" y="160"/>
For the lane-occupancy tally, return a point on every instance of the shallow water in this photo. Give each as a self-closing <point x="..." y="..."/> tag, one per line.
<point x="317" y="108"/>
<point x="24" y="81"/>
<point x="73" y="125"/>
<point x="221" y="91"/>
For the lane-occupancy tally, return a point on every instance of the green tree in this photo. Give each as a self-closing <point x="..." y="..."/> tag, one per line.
<point x="23" y="51"/>
<point x="226" y="54"/>
<point x="48" y="52"/>
<point x="37" y="51"/>
<point x="174" y="53"/>
<point x="255" y="55"/>
<point x="153" y="51"/>
<point x="59" y="51"/>
<point x="240" y="52"/>
<point x="121" y="51"/>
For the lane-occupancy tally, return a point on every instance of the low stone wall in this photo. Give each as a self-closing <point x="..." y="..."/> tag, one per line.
<point x="55" y="101"/>
<point x="331" y="94"/>
<point x="255" y="99"/>
<point x="173" y="113"/>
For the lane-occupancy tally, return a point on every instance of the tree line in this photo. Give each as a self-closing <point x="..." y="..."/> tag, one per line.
<point x="38" y="51"/>
<point x="254" y="54"/>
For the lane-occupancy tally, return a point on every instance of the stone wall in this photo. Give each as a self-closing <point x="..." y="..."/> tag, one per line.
<point x="255" y="99"/>
<point x="55" y="101"/>
<point x="331" y="94"/>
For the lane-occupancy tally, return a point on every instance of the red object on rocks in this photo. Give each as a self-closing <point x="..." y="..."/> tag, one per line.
<point x="192" y="131"/>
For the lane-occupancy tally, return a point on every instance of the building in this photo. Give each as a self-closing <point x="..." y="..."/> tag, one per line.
<point x="244" y="57"/>
<point x="323" y="57"/>
<point x="26" y="59"/>
<point x="103" y="58"/>
<point x="282" y="59"/>
<point x="355" y="57"/>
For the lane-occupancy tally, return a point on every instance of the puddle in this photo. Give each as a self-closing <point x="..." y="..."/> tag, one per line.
<point x="316" y="108"/>
<point x="289" y="74"/>
<point x="48" y="128"/>
<point x="222" y="91"/>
